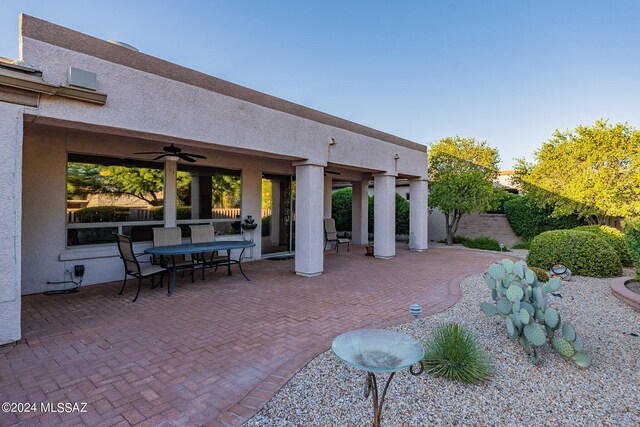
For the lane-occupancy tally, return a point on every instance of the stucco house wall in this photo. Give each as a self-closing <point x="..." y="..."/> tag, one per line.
<point x="149" y="103"/>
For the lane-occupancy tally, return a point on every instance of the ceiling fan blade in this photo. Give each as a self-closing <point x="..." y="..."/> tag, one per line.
<point x="150" y="152"/>
<point x="183" y="156"/>
<point x="159" y="157"/>
<point x="197" y="156"/>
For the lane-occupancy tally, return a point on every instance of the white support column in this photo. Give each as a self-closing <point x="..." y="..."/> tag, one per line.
<point x="170" y="192"/>
<point x="328" y="183"/>
<point x="251" y="204"/>
<point x="309" y="260"/>
<point x="419" y="214"/>
<point x="195" y="195"/>
<point x="384" y="219"/>
<point x="360" y="212"/>
<point x="11" y="138"/>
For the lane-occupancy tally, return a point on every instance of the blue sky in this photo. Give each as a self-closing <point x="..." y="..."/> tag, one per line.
<point x="509" y="72"/>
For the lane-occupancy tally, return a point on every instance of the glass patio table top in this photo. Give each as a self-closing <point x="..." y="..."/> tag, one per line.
<point x="192" y="248"/>
<point x="377" y="350"/>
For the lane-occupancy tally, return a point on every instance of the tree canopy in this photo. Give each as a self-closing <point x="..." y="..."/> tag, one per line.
<point x="593" y="171"/>
<point x="461" y="172"/>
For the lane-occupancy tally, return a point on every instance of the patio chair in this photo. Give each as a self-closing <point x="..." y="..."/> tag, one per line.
<point x="331" y="235"/>
<point x="166" y="236"/>
<point x="202" y="234"/>
<point x="132" y="265"/>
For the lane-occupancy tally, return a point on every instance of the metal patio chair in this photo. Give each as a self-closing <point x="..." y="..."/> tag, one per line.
<point x="331" y="235"/>
<point x="132" y="265"/>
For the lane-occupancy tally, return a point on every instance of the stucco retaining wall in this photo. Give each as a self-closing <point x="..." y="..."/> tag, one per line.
<point x="494" y="226"/>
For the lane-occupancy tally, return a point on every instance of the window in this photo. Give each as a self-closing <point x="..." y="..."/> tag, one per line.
<point x="109" y="195"/>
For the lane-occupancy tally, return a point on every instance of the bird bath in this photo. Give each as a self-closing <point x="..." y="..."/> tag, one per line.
<point x="378" y="351"/>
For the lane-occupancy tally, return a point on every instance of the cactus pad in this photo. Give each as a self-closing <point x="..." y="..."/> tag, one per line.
<point x="563" y="347"/>
<point x="551" y="317"/>
<point x="515" y="293"/>
<point x="577" y="343"/>
<point x="510" y="328"/>
<point x="507" y="264"/>
<point x="490" y="282"/>
<point x="518" y="268"/>
<point x="504" y="306"/>
<point x="568" y="332"/>
<point x="497" y="271"/>
<point x="530" y="276"/>
<point x="581" y="359"/>
<point x="523" y="316"/>
<point x="535" y="334"/>
<point x="489" y="309"/>
<point x="554" y="283"/>
<point x="528" y="307"/>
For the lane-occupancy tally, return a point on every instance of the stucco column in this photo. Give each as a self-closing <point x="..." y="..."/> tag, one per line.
<point x="309" y="215"/>
<point x="195" y="195"/>
<point x="419" y="214"/>
<point x="170" y="192"/>
<point x="384" y="211"/>
<point x="10" y="220"/>
<point x="328" y="183"/>
<point x="360" y="212"/>
<point x="251" y="204"/>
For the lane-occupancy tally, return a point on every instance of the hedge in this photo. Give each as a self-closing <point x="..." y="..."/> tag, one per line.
<point x="341" y="211"/>
<point x="631" y="229"/>
<point x="614" y="237"/>
<point x="182" y="212"/>
<point x="102" y="214"/>
<point x="528" y="220"/>
<point x="584" y="253"/>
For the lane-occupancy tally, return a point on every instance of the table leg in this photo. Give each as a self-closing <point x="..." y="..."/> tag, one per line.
<point x="240" y="264"/>
<point x="377" y="400"/>
<point x="172" y="282"/>
<point x="228" y="262"/>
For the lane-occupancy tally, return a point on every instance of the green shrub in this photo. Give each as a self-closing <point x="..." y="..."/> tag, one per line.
<point x="341" y="211"/>
<point x="528" y="220"/>
<point x="482" y="243"/>
<point x="182" y="212"/>
<point x="341" y="208"/>
<point x="632" y="235"/>
<point x="454" y="353"/>
<point x="523" y="244"/>
<point x="584" y="253"/>
<point x="614" y="237"/>
<point x="500" y="196"/>
<point x="457" y="240"/>
<point x="541" y="274"/>
<point x="102" y="214"/>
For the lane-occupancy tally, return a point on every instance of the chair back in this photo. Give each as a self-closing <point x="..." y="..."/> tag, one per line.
<point x="125" y="247"/>
<point x="330" y="229"/>
<point x="167" y="236"/>
<point x="202" y="233"/>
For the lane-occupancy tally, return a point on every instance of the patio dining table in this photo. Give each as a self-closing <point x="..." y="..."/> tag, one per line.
<point x="200" y="248"/>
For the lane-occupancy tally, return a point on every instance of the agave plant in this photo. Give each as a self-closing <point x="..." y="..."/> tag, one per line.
<point x="454" y="353"/>
<point x="522" y="300"/>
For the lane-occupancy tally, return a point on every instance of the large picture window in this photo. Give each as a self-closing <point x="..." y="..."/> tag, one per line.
<point x="109" y="195"/>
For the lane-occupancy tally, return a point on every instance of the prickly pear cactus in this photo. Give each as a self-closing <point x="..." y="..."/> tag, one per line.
<point x="522" y="300"/>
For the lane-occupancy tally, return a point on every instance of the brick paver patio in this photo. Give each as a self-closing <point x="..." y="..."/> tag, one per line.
<point x="219" y="349"/>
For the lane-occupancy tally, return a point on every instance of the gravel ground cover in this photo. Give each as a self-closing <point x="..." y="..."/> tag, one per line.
<point x="328" y="393"/>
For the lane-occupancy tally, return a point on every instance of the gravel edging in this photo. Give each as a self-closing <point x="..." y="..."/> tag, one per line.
<point x="326" y="392"/>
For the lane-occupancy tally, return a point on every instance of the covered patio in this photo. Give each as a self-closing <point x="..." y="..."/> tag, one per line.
<point x="218" y="349"/>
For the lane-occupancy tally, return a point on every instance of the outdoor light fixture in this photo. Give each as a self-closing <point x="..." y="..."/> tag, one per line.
<point x="332" y="141"/>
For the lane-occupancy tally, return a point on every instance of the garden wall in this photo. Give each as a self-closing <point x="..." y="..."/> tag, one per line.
<point x="494" y="226"/>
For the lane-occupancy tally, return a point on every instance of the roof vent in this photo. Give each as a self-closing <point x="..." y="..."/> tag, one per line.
<point x="123" y="44"/>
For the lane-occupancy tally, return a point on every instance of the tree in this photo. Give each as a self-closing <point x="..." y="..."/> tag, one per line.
<point x="461" y="172"/>
<point x="593" y="171"/>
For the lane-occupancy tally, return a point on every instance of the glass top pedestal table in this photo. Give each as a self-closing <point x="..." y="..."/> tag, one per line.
<point x="378" y="351"/>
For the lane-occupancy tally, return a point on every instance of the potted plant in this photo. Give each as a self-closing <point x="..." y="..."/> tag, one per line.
<point x="369" y="248"/>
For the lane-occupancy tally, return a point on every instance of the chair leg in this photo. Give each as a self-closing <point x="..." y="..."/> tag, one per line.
<point x="124" y="282"/>
<point x="139" y="285"/>
<point x="348" y="243"/>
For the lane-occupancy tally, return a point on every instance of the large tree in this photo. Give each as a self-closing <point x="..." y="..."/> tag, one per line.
<point x="593" y="171"/>
<point x="461" y="174"/>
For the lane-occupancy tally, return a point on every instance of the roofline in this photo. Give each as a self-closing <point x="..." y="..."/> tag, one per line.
<point x="66" y="38"/>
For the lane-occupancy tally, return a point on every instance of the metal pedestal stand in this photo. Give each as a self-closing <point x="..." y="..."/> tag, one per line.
<point x="247" y="235"/>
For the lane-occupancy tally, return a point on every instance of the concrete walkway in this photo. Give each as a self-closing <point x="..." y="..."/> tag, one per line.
<point x="219" y="349"/>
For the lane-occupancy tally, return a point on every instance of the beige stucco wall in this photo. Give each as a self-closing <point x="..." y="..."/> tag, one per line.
<point x="144" y="102"/>
<point x="10" y="214"/>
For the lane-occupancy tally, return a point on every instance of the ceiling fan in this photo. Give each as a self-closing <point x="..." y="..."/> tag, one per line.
<point x="173" y="151"/>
